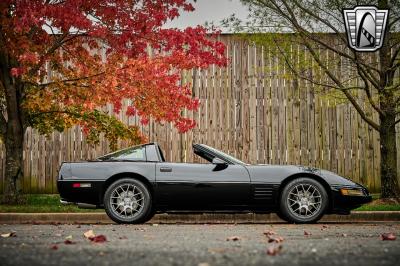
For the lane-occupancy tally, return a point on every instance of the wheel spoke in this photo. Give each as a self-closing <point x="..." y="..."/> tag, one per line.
<point x="304" y="200"/>
<point x="127" y="200"/>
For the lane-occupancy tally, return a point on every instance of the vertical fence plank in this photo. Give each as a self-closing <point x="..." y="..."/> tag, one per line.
<point x="253" y="109"/>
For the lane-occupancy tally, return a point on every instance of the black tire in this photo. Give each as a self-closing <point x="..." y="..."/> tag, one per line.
<point x="143" y="201"/>
<point x="150" y="215"/>
<point x="293" y="208"/>
<point x="281" y="216"/>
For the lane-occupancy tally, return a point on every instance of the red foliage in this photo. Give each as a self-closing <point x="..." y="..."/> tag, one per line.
<point x="99" y="52"/>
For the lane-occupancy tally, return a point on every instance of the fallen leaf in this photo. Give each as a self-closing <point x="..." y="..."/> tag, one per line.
<point x="89" y="234"/>
<point x="11" y="234"/>
<point x="69" y="237"/>
<point x="233" y="238"/>
<point x="274" y="250"/>
<point x="154" y="224"/>
<point x="69" y="242"/>
<point x="344" y="235"/>
<point x="388" y="236"/>
<point x="54" y="247"/>
<point x="276" y="239"/>
<point x="269" y="233"/>
<point x="307" y="233"/>
<point x="98" y="239"/>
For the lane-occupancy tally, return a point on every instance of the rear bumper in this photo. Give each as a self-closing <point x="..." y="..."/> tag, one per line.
<point x="74" y="195"/>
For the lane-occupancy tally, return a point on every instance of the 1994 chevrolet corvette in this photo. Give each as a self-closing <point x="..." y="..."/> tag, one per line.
<point x="135" y="183"/>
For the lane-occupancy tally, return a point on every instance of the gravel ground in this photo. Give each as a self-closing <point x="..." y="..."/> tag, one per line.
<point x="329" y="244"/>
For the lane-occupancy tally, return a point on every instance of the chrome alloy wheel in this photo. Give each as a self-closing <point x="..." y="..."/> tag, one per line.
<point x="127" y="200"/>
<point x="304" y="200"/>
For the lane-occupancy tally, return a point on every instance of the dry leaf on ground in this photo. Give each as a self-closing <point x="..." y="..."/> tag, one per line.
<point x="276" y="239"/>
<point x="11" y="234"/>
<point x="269" y="233"/>
<point x="98" y="239"/>
<point x="233" y="238"/>
<point x="69" y="242"/>
<point x="388" y="236"/>
<point x="89" y="234"/>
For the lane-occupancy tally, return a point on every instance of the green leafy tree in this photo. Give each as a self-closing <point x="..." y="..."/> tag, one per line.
<point x="317" y="26"/>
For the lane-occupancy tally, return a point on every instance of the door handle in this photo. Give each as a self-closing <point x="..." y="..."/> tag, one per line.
<point x="165" y="169"/>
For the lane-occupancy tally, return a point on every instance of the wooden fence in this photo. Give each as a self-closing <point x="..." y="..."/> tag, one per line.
<point x="248" y="109"/>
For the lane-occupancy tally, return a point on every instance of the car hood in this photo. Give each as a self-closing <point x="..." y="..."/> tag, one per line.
<point x="277" y="173"/>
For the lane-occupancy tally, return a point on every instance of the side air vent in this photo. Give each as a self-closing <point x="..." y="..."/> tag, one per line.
<point x="264" y="191"/>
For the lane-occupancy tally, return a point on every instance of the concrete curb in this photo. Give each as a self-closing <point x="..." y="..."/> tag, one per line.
<point x="210" y="218"/>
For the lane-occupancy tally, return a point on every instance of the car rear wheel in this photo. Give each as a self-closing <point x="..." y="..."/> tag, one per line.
<point x="303" y="200"/>
<point x="127" y="201"/>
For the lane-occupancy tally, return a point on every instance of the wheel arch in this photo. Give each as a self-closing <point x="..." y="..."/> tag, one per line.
<point x="317" y="178"/>
<point x="132" y="175"/>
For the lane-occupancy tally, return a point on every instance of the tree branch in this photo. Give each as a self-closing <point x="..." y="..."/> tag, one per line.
<point x="350" y="97"/>
<point x="292" y="18"/>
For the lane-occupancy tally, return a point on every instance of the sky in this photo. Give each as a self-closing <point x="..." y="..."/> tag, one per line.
<point x="208" y="11"/>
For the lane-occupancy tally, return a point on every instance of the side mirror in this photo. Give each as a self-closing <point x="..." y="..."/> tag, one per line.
<point x="218" y="161"/>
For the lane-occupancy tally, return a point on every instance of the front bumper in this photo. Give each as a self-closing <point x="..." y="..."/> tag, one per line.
<point x="343" y="204"/>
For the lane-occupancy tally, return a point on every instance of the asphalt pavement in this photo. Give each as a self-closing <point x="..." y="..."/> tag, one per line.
<point x="200" y="244"/>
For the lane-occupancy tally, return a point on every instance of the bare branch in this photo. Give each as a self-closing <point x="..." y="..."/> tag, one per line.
<point x="335" y="79"/>
<point x="70" y="80"/>
<point x="313" y="81"/>
<point x="292" y="19"/>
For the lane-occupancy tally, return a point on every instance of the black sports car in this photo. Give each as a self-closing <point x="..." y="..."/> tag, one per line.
<point x="135" y="183"/>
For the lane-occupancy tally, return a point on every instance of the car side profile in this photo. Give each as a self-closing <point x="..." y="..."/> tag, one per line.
<point x="135" y="183"/>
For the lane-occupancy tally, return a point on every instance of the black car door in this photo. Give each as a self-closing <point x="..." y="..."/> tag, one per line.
<point x="202" y="186"/>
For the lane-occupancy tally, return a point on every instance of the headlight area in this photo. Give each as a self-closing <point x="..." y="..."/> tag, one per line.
<point x="352" y="192"/>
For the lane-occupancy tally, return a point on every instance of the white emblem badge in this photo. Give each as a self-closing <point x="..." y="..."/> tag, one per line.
<point x="365" y="27"/>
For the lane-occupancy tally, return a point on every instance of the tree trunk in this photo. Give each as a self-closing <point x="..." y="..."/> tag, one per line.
<point x="14" y="134"/>
<point x="389" y="182"/>
<point x="14" y="163"/>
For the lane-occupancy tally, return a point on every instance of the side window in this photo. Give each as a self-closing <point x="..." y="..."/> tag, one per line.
<point x="134" y="154"/>
<point x="151" y="153"/>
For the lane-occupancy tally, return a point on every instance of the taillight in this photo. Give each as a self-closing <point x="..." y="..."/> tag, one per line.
<point x="76" y="185"/>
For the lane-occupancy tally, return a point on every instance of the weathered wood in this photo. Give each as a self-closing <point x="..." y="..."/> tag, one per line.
<point x="253" y="109"/>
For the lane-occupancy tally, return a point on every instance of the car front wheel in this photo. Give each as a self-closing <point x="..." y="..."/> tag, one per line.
<point x="303" y="200"/>
<point x="127" y="201"/>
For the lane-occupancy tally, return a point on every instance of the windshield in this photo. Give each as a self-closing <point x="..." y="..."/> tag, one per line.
<point x="224" y="155"/>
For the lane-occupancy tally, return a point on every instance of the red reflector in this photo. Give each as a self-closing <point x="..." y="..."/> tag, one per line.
<point x="76" y="185"/>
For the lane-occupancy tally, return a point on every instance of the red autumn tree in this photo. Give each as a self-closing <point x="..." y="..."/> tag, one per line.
<point x="61" y="60"/>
